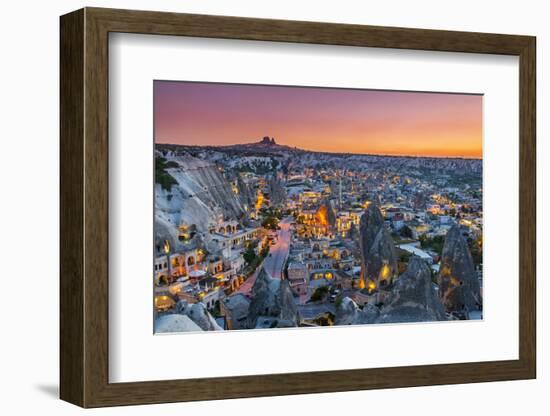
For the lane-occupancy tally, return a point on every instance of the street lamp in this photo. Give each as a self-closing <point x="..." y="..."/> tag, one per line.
<point x="166" y="248"/>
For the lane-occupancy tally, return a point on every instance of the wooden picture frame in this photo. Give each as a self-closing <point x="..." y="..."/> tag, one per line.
<point x="84" y="207"/>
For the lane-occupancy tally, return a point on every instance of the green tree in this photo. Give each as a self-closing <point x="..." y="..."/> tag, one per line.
<point x="270" y="223"/>
<point x="163" y="178"/>
<point x="249" y="254"/>
<point x="435" y="243"/>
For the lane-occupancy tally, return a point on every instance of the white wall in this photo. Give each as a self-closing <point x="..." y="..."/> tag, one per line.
<point x="29" y="209"/>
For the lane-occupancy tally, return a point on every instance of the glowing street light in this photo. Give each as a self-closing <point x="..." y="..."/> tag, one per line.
<point x="166" y="248"/>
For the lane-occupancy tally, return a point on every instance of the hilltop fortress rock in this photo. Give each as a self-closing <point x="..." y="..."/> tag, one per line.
<point x="378" y="256"/>
<point x="458" y="283"/>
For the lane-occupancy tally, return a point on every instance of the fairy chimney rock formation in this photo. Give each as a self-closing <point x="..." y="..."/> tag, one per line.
<point x="272" y="298"/>
<point x="413" y="298"/>
<point x="458" y="283"/>
<point x="378" y="256"/>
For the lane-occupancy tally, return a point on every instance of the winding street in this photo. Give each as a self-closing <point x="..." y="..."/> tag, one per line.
<point x="274" y="263"/>
<point x="246" y="287"/>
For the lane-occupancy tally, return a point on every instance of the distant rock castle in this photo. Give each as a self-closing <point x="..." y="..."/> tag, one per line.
<point x="267" y="140"/>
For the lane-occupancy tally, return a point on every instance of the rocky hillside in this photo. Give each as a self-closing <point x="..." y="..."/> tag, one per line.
<point x="197" y="193"/>
<point x="267" y="156"/>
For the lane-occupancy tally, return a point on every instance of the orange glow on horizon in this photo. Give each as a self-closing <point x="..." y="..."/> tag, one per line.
<point x="335" y="120"/>
<point x="360" y="147"/>
<point x="450" y="142"/>
<point x="470" y="149"/>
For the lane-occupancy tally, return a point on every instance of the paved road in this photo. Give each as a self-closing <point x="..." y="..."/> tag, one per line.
<point x="246" y="287"/>
<point x="274" y="263"/>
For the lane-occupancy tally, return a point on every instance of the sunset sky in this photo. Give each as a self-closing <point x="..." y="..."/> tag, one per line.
<point x="320" y="119"/>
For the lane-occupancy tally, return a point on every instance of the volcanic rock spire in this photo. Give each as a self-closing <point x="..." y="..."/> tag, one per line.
<point x="458" y="283"/>
<point x="276" y="191"/>
<point x="272" y="298"/>
<point x="414" y="299"/>
<point x="246" y="194"/>
<point x="378" y="256"/>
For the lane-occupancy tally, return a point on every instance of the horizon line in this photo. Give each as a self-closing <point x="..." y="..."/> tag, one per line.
<point x="324" y="151"/>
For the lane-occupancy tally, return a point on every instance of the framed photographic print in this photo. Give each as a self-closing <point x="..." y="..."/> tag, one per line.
<point x="256" y="207"/>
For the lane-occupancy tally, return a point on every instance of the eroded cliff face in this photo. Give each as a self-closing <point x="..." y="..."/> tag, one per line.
<point x="201" y="195"/>
<point x="378" y="256"/>
<point x="246" y="194"/>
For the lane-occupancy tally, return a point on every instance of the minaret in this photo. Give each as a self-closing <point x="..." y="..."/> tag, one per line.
<point x="340" y="194"/>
